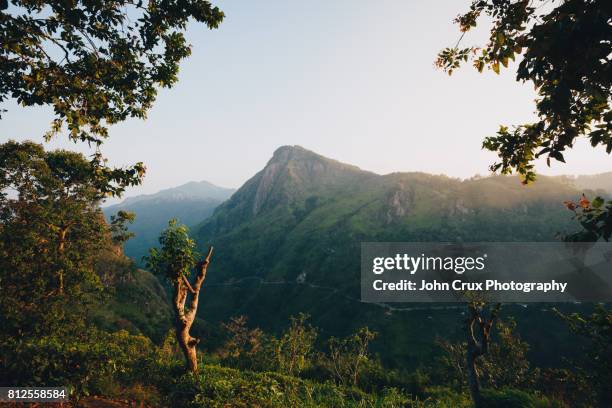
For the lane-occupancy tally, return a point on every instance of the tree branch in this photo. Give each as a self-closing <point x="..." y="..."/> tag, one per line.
<point x="188" y="284"/>
<point x="193" y="304"/>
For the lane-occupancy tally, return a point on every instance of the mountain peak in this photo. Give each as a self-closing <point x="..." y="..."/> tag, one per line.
<point x="303" y="160"/>
<point x="285" y="154"/>
<point x="289" y="149"/>
<point x="291" y="174"/>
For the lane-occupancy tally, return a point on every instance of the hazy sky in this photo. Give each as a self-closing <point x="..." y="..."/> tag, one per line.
<point x="350" y="79"/>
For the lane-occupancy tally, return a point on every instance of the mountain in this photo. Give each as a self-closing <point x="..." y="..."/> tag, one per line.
<point x="190" y="203"/>
<point x="288" y="241"/>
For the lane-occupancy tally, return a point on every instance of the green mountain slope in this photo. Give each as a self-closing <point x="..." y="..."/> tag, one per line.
<point x="289" y="240"/>
<point x="190" y="203"/>
<point x="139" y="304"/>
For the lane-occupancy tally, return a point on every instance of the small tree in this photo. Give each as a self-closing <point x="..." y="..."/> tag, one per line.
<point x="245" y="347"/>
<point x="597" y="328"/>
<point x="348" y="355"/>
<point x="119" y="230"/>
<point x="478" y="340"/>
<point x="176" y="259"/>
<point x="295" y="345"/>
<point x="505" y="365"/>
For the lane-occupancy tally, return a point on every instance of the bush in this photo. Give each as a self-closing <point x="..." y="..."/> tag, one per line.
<point x="511" y="398"/>
<point x="96" y="363"/>
<point x="226" y="387"/>
<point x="444" y="397"/>
<point x="375" y="377"/>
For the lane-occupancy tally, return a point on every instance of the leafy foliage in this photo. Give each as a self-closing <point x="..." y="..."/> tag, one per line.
<point x="595" y="217"/>
<point x="95" y="62"/>
<point x="223" y="387"/>
<point x="247" y="348"/>
<point x="598" y="329"/>
<point x="51" y="233"/>
<point x="118" y="227"/>
<point x="295" y="346"/>
<point x="504" y="366"/>
<point x="348" y="356"/>
<point x="176" y="256"/>
<point x="82" y="362"/>
<point x="514" y="398"/>
<point x="565" y="49"/>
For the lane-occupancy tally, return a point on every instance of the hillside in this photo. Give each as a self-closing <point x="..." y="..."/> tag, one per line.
<point x="190" y="203"/>
<point x="595" y="182"/>
<point x="288" y="241"/>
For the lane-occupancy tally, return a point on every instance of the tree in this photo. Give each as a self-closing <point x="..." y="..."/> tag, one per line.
<point x="295" y="345"/>
<point x="51" y="232"/>
<point x="95" y="62"/>
<point x="348" y="355"/>
<point x="478" y="341"/>
<point x="244" y="347"/>
<point x="119" y="229"/>
<point x="597" y="328"/>
<point x="565" y="48"/>
<point x="175" y="260"/>
<point x="505" y="365"/>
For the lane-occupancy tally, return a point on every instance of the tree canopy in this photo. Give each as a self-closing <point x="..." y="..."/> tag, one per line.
<point x="51" y="232"/>
<point x="95" y="62"/>
<point x="565" y="49"/>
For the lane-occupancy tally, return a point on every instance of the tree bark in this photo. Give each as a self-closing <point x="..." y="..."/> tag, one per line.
<point x="479" y="337"/>
<point x="473" y="380"/>
<point x="184" y="318"/>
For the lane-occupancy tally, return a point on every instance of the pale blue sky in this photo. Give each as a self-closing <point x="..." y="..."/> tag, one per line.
<point x="350" y="79"/>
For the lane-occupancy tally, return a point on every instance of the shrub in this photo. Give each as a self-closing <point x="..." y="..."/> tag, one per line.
<point x="226" y="387"/>
<point x="93" y="364"/>
<point x="295" y="347"/>
<point x="511" y="398"/>
<point x="348" y="356"/>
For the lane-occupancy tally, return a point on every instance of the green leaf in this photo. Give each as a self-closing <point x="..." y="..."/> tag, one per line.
<point x="598" y="202"/>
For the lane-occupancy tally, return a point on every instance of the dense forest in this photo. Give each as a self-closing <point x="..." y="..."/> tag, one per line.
<point x="256" y="302"/>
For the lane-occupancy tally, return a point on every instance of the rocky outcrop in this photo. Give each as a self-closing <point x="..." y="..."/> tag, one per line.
<point x="399" y="202"/>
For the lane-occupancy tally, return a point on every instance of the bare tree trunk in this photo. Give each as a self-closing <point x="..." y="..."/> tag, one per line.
<point x="479" y="337"/>
<point x="184" y="317"/>
<point x="188" y="346"/>
<point x="473" y="380"/>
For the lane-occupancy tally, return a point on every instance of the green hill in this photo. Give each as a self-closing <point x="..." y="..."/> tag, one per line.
<point x="190" y="203"/>
<point x="288" y="241"/>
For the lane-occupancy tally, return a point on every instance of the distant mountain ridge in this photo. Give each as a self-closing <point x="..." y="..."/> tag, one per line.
<point x="190" y="203"/>
<point x="595" y="182"/>
<point x="193" y="190"/>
